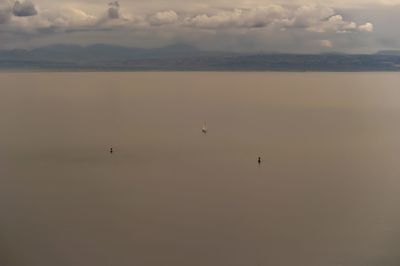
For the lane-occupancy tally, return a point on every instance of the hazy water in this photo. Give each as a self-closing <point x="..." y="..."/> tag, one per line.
<point x="326" y="194"/>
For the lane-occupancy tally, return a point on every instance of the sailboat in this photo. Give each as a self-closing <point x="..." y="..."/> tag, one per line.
<point x="204" y="128"/>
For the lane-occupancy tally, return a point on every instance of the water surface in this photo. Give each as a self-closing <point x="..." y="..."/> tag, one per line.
<point x="326" y="194"/>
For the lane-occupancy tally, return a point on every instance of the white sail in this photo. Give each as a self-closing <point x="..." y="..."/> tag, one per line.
<point x="204" y="128"/>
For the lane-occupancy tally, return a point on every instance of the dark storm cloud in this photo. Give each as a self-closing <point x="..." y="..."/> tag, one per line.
<point x="113" y="10"/>
<point x="24" y="9"/>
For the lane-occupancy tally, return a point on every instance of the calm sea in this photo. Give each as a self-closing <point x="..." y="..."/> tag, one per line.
<point x="327" y="192"/>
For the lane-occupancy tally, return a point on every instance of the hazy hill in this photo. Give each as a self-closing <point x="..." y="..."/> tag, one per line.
<point x="98" y="52"/>
<point x="389" y="52"/>
<point x="184" y="57"/>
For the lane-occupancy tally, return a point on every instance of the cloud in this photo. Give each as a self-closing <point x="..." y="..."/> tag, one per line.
<point x="335" y="24"/>
<point x="340" y="25"/>
<point x="69" y="17"/>
<point x="5" y="14"/>
<point x="113" y="10"/>
<point x="367" y="27"/>
<point x="219" y="20"/>
<point x="163" y="18"/>
<point x="24" y="9"/>
<point x="326" y="43"/>
<point x="241" y="18"/>
<point x="53" y="22"/>
<point x="314" y="18"/>
<point x="115" y="18"/>
<point x="253" y="25"/>
<point x="309" y="15"/>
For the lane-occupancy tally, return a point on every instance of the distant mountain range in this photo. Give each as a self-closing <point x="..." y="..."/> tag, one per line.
<point x="184" y="57"/>
<point x="97" y="53"/>
<point x="389" y="52"/>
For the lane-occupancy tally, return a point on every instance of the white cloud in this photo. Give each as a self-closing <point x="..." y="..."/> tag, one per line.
<point x="308" y="15"/>
<point x="367" y="27"/>
<point x="222" y="19"/>
<point x="337" y="24"/>
<point x="70" y="17"/>
<point x="163" y="18"/>
<point x="252" y="24"/>
<point x="314" y="18"/>
<point x="241" y="18"/>
<point x="326" y="43"/>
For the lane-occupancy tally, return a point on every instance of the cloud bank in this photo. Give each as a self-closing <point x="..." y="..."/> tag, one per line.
<point x="297" y="26"/>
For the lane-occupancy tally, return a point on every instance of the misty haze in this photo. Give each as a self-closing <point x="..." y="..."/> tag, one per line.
<point x="199" y="132"/>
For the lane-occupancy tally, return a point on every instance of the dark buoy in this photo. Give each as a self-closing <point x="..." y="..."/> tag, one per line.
<point x="259" y="160"/>
<point x="111" y="150"/>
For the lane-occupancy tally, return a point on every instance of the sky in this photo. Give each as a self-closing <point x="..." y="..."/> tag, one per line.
<point x="295" y="26"/>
